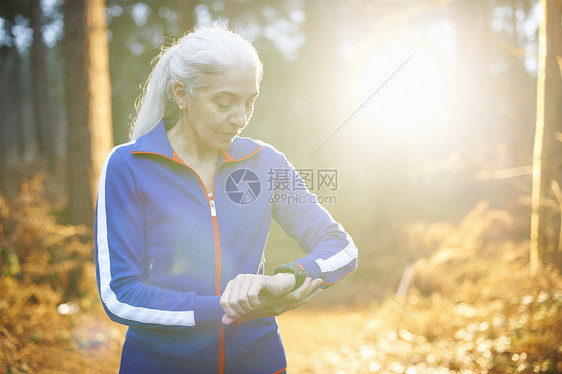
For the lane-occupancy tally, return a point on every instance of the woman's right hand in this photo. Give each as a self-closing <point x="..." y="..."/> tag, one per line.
<point x="249" y="292"/>
<point x="241" y="294"/>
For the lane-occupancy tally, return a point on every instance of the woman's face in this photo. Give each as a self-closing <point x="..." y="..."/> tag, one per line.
<point x="222" y="108"/>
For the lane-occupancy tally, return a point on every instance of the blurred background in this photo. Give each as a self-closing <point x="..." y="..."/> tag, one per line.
<point x="440" y="118"/>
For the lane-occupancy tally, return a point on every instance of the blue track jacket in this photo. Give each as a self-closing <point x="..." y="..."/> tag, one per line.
<point x="166" y="248"/>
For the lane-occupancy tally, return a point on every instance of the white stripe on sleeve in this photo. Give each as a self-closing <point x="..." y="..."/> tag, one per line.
<point x="121" y="309"/>
<point x="340" y="259"/>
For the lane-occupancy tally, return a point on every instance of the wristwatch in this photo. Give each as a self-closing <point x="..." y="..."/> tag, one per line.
<point x="293" y="268"/>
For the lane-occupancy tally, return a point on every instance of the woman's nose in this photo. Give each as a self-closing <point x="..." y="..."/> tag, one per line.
<point x="239" y="118"/>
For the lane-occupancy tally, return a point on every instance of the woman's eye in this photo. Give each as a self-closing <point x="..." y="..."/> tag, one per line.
<point x="223" y="106"/>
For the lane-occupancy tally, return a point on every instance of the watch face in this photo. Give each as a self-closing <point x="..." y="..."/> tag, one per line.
<point x="294" y="268"/>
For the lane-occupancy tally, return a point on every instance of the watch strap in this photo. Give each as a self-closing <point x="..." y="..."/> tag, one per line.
<point x="293" y="268"/>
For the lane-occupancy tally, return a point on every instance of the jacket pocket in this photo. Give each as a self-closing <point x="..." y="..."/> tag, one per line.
<point x="149" y="265"/>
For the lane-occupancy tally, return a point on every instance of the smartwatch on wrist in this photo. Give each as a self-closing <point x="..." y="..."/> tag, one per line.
<point x="293" y="268"/>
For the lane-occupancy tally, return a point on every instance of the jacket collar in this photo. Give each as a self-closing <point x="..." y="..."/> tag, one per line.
<point x="156" y="142"/>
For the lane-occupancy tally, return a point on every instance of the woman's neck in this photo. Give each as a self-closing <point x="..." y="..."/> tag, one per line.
<point x="188" y="148"/>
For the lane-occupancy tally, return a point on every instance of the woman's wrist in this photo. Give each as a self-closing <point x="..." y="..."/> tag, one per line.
<point x="281" y="283"/>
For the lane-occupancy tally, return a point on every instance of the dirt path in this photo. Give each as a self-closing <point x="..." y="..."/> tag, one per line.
<point x="325" y="341"/>
<point x="315" y="342"/>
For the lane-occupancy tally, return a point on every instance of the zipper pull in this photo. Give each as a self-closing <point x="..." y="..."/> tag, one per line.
<point x="150" y="264"/>
<point x="213" y="210"/>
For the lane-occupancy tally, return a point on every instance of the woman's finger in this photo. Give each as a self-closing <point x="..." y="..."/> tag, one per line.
<point x="254" y="291"/>
<point x="315" y="284"/>
<point x="236" y="297"/>
<point x="302" y="291"/>
<point x="310" y="287"/>
<point x="245" y="284"/>
<point x="227" y="320"/>
<point x="311" y="296"/>
<point x="225" y="300"/>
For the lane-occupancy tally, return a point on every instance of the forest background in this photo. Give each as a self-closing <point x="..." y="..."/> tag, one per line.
<point x="431" y="129"/>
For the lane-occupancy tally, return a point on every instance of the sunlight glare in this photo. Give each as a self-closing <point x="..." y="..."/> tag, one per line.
<point x="413" y="97"/>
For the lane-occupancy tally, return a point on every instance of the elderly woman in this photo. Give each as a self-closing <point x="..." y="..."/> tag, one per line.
<point x="183" y="217"/>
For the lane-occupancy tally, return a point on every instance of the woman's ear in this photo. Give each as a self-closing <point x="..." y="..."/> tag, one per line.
<point x="180" y="95"/>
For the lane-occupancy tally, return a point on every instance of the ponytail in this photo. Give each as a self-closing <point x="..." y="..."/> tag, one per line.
<point x="158" y="96"/>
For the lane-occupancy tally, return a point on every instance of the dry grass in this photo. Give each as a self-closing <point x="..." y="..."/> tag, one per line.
<point x="44" y="264"/>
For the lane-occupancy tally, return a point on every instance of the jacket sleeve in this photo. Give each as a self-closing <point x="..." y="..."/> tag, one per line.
<point x="120" y="248"/>
<point x="330" y="251"/>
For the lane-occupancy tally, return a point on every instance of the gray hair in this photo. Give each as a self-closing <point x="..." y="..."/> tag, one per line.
<point x="191" y="60"/>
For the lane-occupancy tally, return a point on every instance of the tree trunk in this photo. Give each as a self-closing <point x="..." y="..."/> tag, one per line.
<point x="17" y="106"/>
<point x="5" y="116"/>
<point x="472" y="39"/>
<point x="88" y="99"/>
<point x="547" y="151"/>
<point x="318" y="60"/>
<point x="39" y="86"/>
<point x="11" y="109"/>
